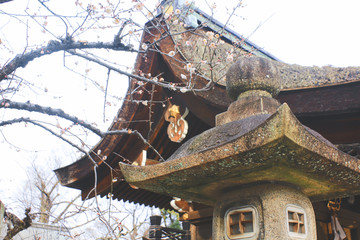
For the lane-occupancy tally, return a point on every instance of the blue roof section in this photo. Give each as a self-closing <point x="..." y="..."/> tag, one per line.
<point x="250" y="45"/>
<point x="216" y="26"/>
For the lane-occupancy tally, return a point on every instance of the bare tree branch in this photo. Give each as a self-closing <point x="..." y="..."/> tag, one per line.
<point x="4" y="1"/>
<point x="60" y="113"/>
<point x="69" y="204"/>
<point x="5" y="103"/>
<point x="137" y="77"/>
<point x="28" y="120"/>
<point x="52" y="12"/>
<point x="53" y="46"/>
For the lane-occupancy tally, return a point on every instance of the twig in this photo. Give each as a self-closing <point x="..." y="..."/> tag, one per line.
<point x="5" y="103"/>
<point x="140" y="78"/>
<point x="135" y="132"/>
<point x="53" y="13"/>
<point x="28" y="120"/>
<point x="106" y="92"/>
<point x="22" y="60"/>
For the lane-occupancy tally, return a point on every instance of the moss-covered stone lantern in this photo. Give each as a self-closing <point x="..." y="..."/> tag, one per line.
<point x="259" y="168"/>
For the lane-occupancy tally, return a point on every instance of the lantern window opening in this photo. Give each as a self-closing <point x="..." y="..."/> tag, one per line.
<point x="296" y="221"/>
<point x="241" y="223"/>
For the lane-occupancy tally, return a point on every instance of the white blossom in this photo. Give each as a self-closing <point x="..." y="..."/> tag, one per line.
<point x="166" y="15"/>
<point x="189" y="67"/>
<point x="210" y="35"/>
<point x="212" y="45"/>
<point x="171" y="53"/>
<point x="229" y="58"/>
<point x="139" y="6"/>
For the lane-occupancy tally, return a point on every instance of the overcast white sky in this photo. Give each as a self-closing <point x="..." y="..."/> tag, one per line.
<point x="295" y="31"/>
<point x="321" y="32"/>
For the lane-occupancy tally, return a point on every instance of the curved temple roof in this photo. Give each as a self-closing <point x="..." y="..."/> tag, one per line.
<point x="332" y="108"/>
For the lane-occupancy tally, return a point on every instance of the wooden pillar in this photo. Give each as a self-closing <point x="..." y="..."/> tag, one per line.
<point x="155" y="228"/>
<point x="186" y="227"/>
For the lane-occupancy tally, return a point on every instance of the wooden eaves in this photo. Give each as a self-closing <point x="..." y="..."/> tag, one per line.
<point x="329" y="106"/>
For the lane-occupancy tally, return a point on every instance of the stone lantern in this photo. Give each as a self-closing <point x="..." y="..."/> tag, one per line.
<point x="259" y="168"/>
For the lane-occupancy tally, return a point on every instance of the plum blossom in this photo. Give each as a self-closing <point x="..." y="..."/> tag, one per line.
<point x="166" y="15"/>
<point x="212" y="45"/>
<point x="210" y="35"/>
<point x="139" y="6"/>
<point x="172" y="87"/>
<point x="144" y="46"/>
<point x="189" y="67"/>
<point x="108" y="10"/>
<point x="229" y="58"/>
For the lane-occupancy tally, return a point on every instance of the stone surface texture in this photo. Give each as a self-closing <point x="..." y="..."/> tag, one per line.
<point x="296" y="77"/>
<point x="256" y="140"/>
<point x="247" y="106"/>
<point x="258" y="155"/>
<point x="252" y="73"/>
<point x="292" y="76"/>
<point x="263" y="147"/>
<point x="270" y="201"/>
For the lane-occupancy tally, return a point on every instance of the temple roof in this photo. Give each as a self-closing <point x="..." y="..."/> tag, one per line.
<point x="331" y="107"/>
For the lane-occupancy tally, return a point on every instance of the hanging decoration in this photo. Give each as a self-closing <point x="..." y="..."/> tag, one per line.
<point x="178" y="127"/>
<point x="334" y="207"/>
